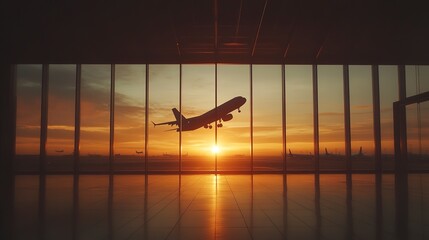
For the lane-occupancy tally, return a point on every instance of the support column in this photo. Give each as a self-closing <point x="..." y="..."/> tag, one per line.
<point x="7" y="148"/>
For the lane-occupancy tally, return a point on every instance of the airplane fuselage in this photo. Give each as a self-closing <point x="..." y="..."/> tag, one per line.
<point x="213" y="115"/>
<point x="216" y="115"/>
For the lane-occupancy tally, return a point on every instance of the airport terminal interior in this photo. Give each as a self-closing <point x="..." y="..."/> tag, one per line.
<point x="215" y="119"/>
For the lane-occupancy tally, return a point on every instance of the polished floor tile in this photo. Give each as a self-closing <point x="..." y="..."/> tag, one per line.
<point x="218" y="207"/>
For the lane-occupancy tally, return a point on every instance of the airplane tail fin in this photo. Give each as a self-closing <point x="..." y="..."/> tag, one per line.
<point x="178" y="116"/>
<point x="360" y="151"/>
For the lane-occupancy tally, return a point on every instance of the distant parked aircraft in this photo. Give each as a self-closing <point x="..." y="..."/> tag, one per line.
<point x="59" y="151"/>
<point x="139" y="152"/>
<point x="220" y="113"/>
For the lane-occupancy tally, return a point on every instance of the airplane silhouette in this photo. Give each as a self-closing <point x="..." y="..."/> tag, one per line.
<point x="220" y="113"/>
<point x="139" y="152"/>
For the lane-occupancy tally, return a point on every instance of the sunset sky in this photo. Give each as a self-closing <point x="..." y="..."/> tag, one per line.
<point x="198" y="96"/>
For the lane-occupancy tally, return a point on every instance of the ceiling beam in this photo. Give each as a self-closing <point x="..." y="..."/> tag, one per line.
<point x="259" y="28"/>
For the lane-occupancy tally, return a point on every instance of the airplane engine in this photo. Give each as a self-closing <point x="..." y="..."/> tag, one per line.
<point x="227" y="117"/>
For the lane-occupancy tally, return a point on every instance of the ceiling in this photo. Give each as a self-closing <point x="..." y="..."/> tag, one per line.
<point x="224" y="31"/>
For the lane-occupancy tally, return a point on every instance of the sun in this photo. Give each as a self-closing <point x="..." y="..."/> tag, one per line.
<point x="215" y="149"/>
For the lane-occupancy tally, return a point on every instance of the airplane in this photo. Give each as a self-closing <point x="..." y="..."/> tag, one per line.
<point x="139" y="152"/>
<point x="59" y="151"/>
<point x="220" y="113"/>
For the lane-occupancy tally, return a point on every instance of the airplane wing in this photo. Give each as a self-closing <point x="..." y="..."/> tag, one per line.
<point x="177" y="115"/>
<point x="171" y="123"/>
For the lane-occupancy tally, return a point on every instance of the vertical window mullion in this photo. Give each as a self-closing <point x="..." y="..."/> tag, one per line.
<point x="44" y="118"/>
<point x="347" y="124"/>
<point x="316" y="121"/>
<point x="146" y="119"/>
<point x="112" y="117"/>
<point x="77" y="119"/>
<point x="376" y="115"/>
<point x="251" y="118"/>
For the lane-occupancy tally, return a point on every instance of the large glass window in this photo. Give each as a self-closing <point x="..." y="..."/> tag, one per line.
<point x="163" y="97"/>
<point x="61" y="113"/>
<point x="299" y="117"/>
<point x="234" y="136"/>
<point x="331" y="117"/>
<point x="95" y="117"/>
<point x="198" y="91"/>
<point x="267" y="117"/>
<point x="198" y="88"/>
<point x="129" y="136"/>
<point x="29" y="90"/>
<point x="361" y="117"/>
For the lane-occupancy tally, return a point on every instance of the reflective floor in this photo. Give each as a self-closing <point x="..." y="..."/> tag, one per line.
<point x="219" y="207"/>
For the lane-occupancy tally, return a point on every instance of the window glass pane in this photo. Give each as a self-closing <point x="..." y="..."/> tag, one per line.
<point x="129" y="117"/>
<point x="198" y="98"/>
<point x="418" y="136"/>
<point x="163" y="97"/>
<point x="424" y="136"/>
<point x="331" y="117"/>
<point x="299" y="117"/>
<point x="417" y="81"/>
<point x="267" y="117"/>
<point x="423" y="75"/>
<point x="29" y="90"/>
<point x="95" y="117"/>
<point x="234" y="136"/>
<point x="388" y="76"/>
<point x="61" y="113"/>
<point x="411" y="80"/>
<point x="361" y="117"/>
<point x="413" y="137"/>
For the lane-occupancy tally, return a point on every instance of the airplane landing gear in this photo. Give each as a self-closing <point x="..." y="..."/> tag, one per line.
<point x="220" y="125"/>
<point x="210" y="127"/>
<point x="239" y="110"/>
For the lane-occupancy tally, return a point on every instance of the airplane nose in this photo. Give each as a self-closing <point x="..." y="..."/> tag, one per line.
<point x="243" y="100"/>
